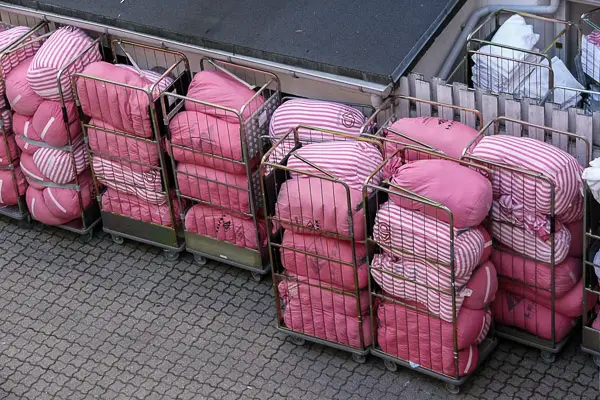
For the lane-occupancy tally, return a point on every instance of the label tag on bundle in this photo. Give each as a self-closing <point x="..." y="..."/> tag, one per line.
<point x="262" y="118"/>
<point x="467" y="292"/>
<point x="413" y="365"/>
<point x="222" y="256"/>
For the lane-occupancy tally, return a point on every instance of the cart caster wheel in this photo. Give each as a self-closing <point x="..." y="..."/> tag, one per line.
<point x="390" y="365"/>
<point x="88" y="237"/>
<point x="548" y="357"/>
<point x="171" y="255"/>
<point x="256" y="277"/>
<point x="25" y="224"/>
<point x="359" y="358"/>
<point x="298" y="341"/>
<point x="117" y="239"/>
<point x="596" y="360"/>
<point x="200" y="260"/>
<point x="453" y="389"/>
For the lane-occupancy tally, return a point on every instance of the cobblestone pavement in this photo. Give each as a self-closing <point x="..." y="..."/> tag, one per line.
<point x="99" y="320"/>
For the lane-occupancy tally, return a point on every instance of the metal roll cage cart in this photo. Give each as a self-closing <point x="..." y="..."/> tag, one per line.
<point x="252" y="130"/>
<point x="166" y="233"/>
<point x="274" y="175"/>
<point x="89" y="217"/>
<point x="19" y="210"/>
<point x="374" y="196"/>
<point x="572" y="144"/>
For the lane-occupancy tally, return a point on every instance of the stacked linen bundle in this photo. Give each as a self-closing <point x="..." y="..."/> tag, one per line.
<point x="433" y="267"/>
<point x="500" y="69"/>
<point x="590" y="55"/>
<point x="53" y="154"/>
<point x="14" y="86"/>
<point x="522" y="223"/>
<point x="324" y="287"/>
<point x="214" y="164"/>
<point x="122" y="141"/>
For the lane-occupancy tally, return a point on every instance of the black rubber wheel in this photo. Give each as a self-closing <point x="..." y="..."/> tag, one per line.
<point x="117" y="239"/>
<point x="256" y="277"/>
<point x="547" y="356"/>
<point x="453" y="389"/>
<point x="171" y="255"/>
<point x="359" y="358"/>
<point x="390" y="365"/>
<point x="298" y="341"/>
<point x="596" y="360"/>
<point x="200" y="260"/>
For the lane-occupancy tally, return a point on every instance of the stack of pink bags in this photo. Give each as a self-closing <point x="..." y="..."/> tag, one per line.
<point x="207" y="144"/>
<point x="12" y="181"/>
<point x="521" y="224"/>
<point x="36" y="94"/>
<point x="326" y="294"/>
<point x="417" y="260"/>
<point x="123" y="144"/>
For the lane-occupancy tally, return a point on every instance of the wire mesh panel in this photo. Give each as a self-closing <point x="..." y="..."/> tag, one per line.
<point x="18" y="44"/>
<point x="536" y="225"/>
<point x="431" y="283"/>
<point x="216" y="143"/>
<point x="121" y="114"/>
<point x="443" y="128"/>
<point x="519" y="54"/>
<point x="314" y="197"/>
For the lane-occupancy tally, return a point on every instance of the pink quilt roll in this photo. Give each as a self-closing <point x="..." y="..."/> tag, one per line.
<point x="21" y="97"/>
<point x="136" y="208"/>
<point x="48" y="121"/>
<point x="9" y="151"/>
<point x="9" y="192"/>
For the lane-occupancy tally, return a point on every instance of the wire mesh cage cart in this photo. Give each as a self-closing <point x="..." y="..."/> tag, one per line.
<point x="16" y="49"/>
<point x="216" y="151"/>
<point x="314" y="197"/>
<point x="122" y="119"/>
<point x="517" y="53"/>
<point x="423" y="271"/>
<point x="53" y="158"/>
<point x="536" y="227"/>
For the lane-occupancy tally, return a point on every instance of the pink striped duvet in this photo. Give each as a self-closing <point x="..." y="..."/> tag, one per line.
<point x="25" y="146"/>
<point x="393" y="279"/>
<point x="48" y="122"/>
<point x="66" y="44"/>
<point x="536" y="156"/>
<point x="136" y="208"/>
<point x="11" y="36"/>
<point x="348" y="161"/>
<point x="9" y="192"/>
<point x="21" y="97"/>
<point x="57" y="165"/>
<point x="413" y="233"/>
<point x="145" y="185"/>
<point x="528" y="234"/>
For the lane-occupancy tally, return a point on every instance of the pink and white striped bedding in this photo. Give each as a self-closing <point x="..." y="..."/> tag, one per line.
<point x="481" y="286"/>
<point x="217" y="224"/>
<point x="513" y="310"/>
<point x="148" y="186"/>
<point x="57" y="165"/>
<point x="209" y="135"/>
<point x="125" y="108"/>
<point x="22" y="126"/>
<point x="9" y="151"/>
<point x="48" y="122"/>
<point x="325" y="297"/>
<point x="138" y="209"/>
<point x="26" y="147"/>
<point x="218" y="88"/>
<point x="348" y="161"/>
<point x="57" y="206"/>
<point x="323" y="114"/>
<point x="9" y="194"/>
<point x="31" y="172"/>
<point x="216" y="187"/>
<point x="330" y="260"/>
<point x="66" y="44"/>
<point x="11" y="36"/>
<point x="566" y="274"/>
<point x="335" y="327"/>
<point x="315" y="204"/>
<point x="449" y="137"/>
<point x="404" y="231"/>
<point x="464" y="191"/>
<point x="536" y="156"/>
<point x="21" y="97"/>
<point x="427" y="341"/>
<point x="528" y="234"/>
<point x="142" y="154"/>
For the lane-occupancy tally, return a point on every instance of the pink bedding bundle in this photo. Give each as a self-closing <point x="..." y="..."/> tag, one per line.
<point x="405" y="231"/>
<point x="9" y="151"/>
<point x="56" y="54"/>
<point x="135" y="208"/>
<point x="407" y="280"/>
<point x="464" y="191"/>
<point x="218" y="224"/>
<point x="449" y="137"/>
<point x="427" y="341"/>
<point x="25" y="50"/>
<point x="12" y="185"/>
<point x="22" y="99"/>
<point x="325" y="259"/>
<point x="315" y="319"/>
<point x="61" y="166"/>
<point x="513" y="310"/>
